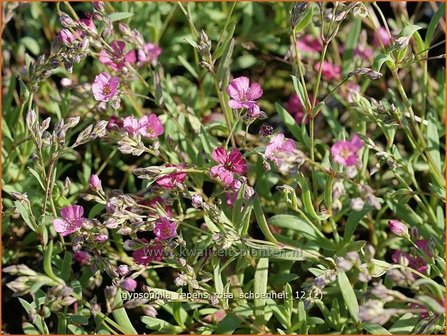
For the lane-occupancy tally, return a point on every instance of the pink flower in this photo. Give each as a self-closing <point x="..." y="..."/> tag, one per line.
<point x="329" y="71"/>
<point x="415" y="262"/>
<point x="105" y="87"/>
<point x="352" y="89"/>
<point x="117" y="59"/>
<point x="232" y="195"/>
<point x="82" y="257"/>
<point x="115" y="123"/>
<point x="131" y="125"/>
<point x="363" y="52"/>
<point x="72" y="219"/>
<point x="346" y="152"/>
<point x="87" y="22"/>
<point x="295" y="107"/>
<point x="308" y="44"/>
<point x="95" y="182"/>
<point x="66" y="37"/>
<point x="242" y="94"/>
<point x="164" y="228"/>
<point x="171" y="180"/>
<point x="101" y="237"/>
<point x="147" y="254"/>
<point x="229" y="163"/>
<point x="122" y="270"/>
<point x="381" y="35"/>
<point x="398" y="228"/>
<point x="128" y="284"/>
<point x="278" y="147"/>
<point x="150" y="126"/>
<point x="149" y="54"/>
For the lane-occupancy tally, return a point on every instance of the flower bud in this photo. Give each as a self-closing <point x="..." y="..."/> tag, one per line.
<point x="66" y="20"/>
<point x="95" y="182"/>
<point x="398" y="228"/>
<point x="129" y="284"/>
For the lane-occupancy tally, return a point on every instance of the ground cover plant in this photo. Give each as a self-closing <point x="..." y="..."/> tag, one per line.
<point x="223" y="168"/>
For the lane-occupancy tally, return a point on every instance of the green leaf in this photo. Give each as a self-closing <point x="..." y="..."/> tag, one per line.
<point x="117" y="16"/>
<point x="223" y="70"/>
<point x="29" y="329"/>
<point x="306" y="197"/>
<point x="121" y="317"/>
<point x="433" y="24"/>
<point x="66" y="266"/>
<point x="404" y="325"/>
<point x="300" y="91"/>
<point x="431" y="304"/>
<point x="375" y="329"/>
<point x="25" y="215"/>
<point x="47" y="266"/>
<point x="260" y="288"/>
<point x="160" y="325"/>
<point x="433" y="138"/>
<point x="348" y="295"/>
<point x="228" y="325"/>
<point x="351" y="42"/>
<point x="289" y="121"/>
<point x="37" y="176"/>
<point x="382" y="58"/>
<point x="409" y="30"/>
<point x="187" y="66"/>
<point x="306" y="19"/>
<point x="262" y="223"/>
<point x="307" y="229"/>
<point x="353" y="220"/>
<point x="30" y="44"/>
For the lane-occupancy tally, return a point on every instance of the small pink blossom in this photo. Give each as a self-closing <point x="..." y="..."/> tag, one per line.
<point x="329" y="71"/>
<point x="72" y="219"/>
<point x="128" y="284"/>
<point x="66" y="37"/>
<point x="363" y="52"/>
<point x="171" y="180"/>
<point x="95" y="182"/>
<point x="115" y="123"/>
<point x="105" y="87"/>
<point x="117" y="59"/>
<point x="229" y="163"/>
<point x="353" y="88"/>
<point x="164" y="228"/>
<point x="148" y="254"/>
<point x="295" y="107"/>
<point x="309" y="44"/>
<point x="196" y="201"/>
<point x="122" y="270"/>
<point x="234" y="191"/>
<point x="149" y="54"/>
<point x="398" y="228"/>
<point x="345" y="152"/>
<point x="242" y="94"/>
<point x="381" y="35"/>
<point x="82" y="257"/>
<point x="87" y="22"/>
<point x="414" y="261"/>
<point x="101" y="238"/>
<point x="278" y="147"/>
<point x="149" y="126"/>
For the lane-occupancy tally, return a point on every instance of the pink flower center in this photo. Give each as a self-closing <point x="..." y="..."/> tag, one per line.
<point x="106" y="90"/>
<point x="345" y="152"/>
